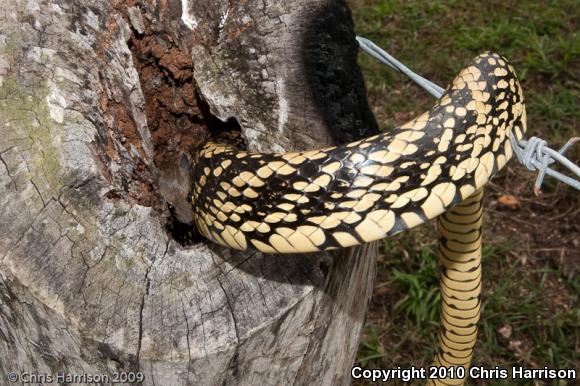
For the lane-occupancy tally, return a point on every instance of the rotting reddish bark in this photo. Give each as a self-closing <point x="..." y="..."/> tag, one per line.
<point x="174" y="117"/>
<point x="176" y="120"/>
<point x="171" y="101"/>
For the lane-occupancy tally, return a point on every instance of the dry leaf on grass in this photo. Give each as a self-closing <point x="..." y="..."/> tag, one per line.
<point x="506" y="331"/>
<point x="509" y="202"/>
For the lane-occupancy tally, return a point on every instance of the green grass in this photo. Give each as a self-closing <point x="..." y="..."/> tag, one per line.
<point x="531" y="313"/>
<point x="437" y="39"/>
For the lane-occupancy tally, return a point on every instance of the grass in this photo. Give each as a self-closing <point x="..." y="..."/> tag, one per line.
<point x="531" y="313"/>
<point x="437" y="39"/>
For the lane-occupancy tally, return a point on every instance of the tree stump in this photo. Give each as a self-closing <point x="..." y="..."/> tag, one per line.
<point x="101" y="106"/>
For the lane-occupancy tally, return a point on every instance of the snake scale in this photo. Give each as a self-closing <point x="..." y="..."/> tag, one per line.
<point x="341" y="196"/>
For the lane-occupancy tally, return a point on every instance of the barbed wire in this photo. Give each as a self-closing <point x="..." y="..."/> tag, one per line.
<point x="533" y="153"/>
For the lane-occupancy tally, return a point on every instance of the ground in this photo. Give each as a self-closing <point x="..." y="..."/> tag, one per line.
<point x="531" y="313"/>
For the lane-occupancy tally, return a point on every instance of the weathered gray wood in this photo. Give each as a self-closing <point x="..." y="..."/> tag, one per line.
<point x="90" y="280"/>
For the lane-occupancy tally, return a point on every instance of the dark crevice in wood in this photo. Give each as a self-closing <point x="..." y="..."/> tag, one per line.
<point x="175" y="123"/>
<point x="179" y="121"/>
<point x="185" y="234"/>
<point x="174" y="119"/>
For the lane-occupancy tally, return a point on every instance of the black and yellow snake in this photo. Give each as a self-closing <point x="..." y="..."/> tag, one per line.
<point x="346" y="195"/>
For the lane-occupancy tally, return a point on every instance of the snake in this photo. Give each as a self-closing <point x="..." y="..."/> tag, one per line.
<point x="434" y="166"/>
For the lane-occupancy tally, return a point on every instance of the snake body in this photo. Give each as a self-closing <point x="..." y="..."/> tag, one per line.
<point x="460" y="282"/>
<point x="341" y="196"/>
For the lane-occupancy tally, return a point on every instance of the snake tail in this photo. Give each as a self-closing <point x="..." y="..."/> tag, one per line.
<point x="460" y="283"/>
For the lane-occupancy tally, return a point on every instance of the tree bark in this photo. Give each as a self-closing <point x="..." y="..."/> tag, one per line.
<point x="101" y="105"/>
